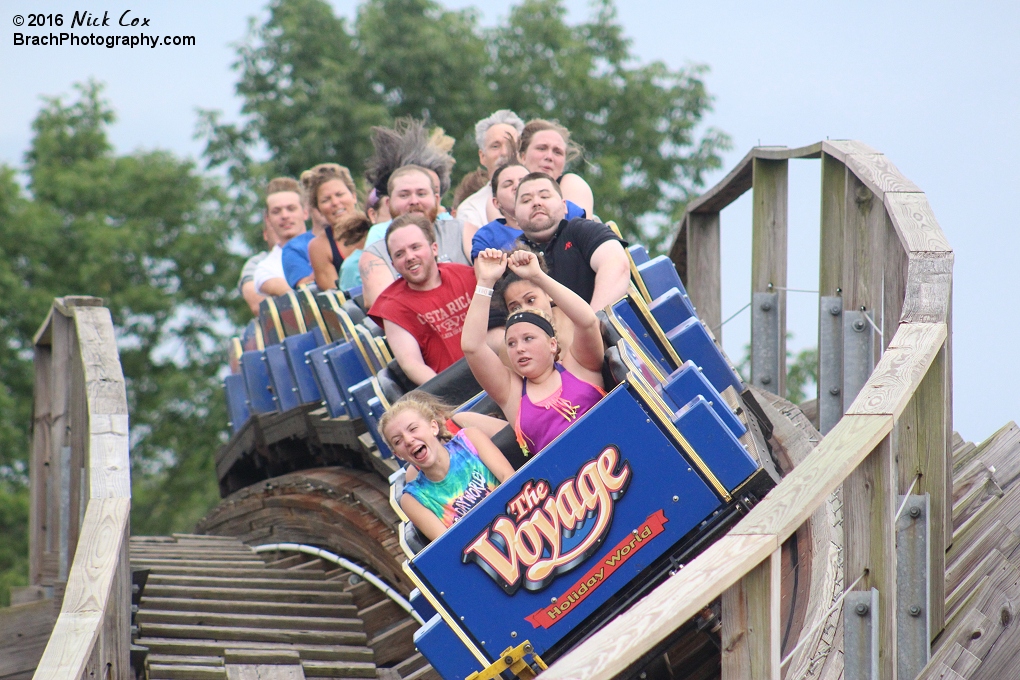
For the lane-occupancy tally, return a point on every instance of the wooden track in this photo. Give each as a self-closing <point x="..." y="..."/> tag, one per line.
<point x="213" y="608"/>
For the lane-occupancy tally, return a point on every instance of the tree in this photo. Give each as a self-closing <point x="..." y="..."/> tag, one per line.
<point x="312" y="88"/>
<point x="146" y="232"/>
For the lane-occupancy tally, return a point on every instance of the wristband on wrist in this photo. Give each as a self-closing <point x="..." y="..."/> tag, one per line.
<point x="482" y="290"/>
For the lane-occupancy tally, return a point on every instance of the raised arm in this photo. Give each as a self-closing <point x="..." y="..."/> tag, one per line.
<point x="375" y="276"/>
<point x="488" y="370"/>
<point x="407" y="353"/>
<point x="586" y="347"/>
<point x="612" y="274"/>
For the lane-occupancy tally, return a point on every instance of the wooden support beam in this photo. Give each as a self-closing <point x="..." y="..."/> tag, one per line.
<point x="768" y="250"/>
<point x="750" y="624"/>
<point x="704" y="269"/>
<point x="869" y="510"/>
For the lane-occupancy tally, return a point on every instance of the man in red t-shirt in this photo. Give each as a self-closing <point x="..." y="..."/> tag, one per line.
<point x="423" y="311"/>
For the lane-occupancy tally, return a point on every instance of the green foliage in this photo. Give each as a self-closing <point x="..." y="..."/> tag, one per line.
<point x="313" y="87"/>
<point x="14" y="547"/>
<point x="147" y="233"/>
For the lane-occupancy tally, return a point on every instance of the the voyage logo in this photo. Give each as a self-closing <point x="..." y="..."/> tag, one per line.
<point x="526" y="546"/>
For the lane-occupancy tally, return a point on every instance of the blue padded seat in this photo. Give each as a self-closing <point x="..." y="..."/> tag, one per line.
<point x="349" y="369"/>
<point x="715" y="444"/>
<point x="296" y="347"/>
<point x="688" y="381"/>
<point x="256" y="383"/>
<point x="444" y="650"/>
<point x="659" y="275"/>
<point x="421" y="605"/>
<point x="329" y="389"/>
<point x="693" y="343"/>
<point x="645" y="336"/>
<point x="280" y="377"/>
<point x="371" y="410"/>
<point x="237" y="401"/>
<point x="638" y="254"/>
<point x="671" y="309"/>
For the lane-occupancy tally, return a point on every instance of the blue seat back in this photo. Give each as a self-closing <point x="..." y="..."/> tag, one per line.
<point x="659" y="275"/>
<point x="444" y="650"/>
<point x="329" y="388"/>
<point x="645" y="336"/>
<point x="693" y="343"/>
<point x="280" y="377"/>
<point x="237" y="401"/>
<point x="421" y="605"/>
<point x="296" y="347"/>
<point x="348" y="370"/>
<point x="371" y="409"/>
<point x="671" y="309"/>
<point x="715" y="444"/>
<point x="638" y="254"/>
<point x="688" y="382"/>
<point x="256" y="383"/>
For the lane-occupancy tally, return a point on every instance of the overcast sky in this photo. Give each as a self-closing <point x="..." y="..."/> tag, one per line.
<point x="933" y="85"/>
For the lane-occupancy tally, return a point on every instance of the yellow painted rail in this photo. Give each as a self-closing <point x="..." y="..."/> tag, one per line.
<point x="881" y="250"/>
<point x="81" y="492"/>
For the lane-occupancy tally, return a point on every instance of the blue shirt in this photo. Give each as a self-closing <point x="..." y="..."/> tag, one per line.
<point x="296" y="264"/>
<point x="497" y="234"/>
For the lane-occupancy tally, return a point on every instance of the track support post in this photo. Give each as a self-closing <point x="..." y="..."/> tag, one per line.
<point x="765" y="345"/>
<point x="858" y="353"/>
<point x="913" y="570"/>
<point x="860" y="635"/>
<point x="830" y="362"/>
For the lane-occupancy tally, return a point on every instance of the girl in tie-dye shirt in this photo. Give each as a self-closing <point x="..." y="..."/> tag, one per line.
<point x="456" y="471"/>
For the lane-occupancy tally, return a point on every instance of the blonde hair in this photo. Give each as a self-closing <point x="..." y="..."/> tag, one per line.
<point x="428" y="406"/>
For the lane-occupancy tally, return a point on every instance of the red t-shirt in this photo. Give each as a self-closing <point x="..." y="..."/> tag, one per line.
<point x="434" y="317"/>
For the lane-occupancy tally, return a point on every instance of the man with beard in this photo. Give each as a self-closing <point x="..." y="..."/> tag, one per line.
<point x="411" y="191"/>
<point x="582" y="254"/>
<point x="423" y="311"/>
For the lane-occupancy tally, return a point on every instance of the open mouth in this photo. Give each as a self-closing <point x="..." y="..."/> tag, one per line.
<point x="419" y="453"/>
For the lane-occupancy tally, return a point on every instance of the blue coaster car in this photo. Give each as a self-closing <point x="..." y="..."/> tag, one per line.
<point x="629" y="492"/>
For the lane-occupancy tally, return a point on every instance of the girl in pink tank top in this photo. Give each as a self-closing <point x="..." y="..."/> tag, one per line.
<point x="537" y="393"/>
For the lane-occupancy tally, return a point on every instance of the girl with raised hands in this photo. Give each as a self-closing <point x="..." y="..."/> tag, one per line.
<point x="455" y="471"/>
<point x="544" y="392"/>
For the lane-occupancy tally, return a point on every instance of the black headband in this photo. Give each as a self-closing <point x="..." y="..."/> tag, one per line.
<point x="532" y="318"/>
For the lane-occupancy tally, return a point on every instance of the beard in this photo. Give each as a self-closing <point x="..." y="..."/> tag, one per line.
<point x="429" y="213"/>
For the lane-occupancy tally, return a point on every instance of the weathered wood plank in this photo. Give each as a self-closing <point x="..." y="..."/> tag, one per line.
<point x="869" y="515"/>
<point x="920" y="449"/>
<point x="704" y="269"/>
<point x="792" y="502"/>
<point x="915" y="223"/>
<point x="624" y="640"/>
<point x="900" y="370"/>
<point x="24" y="631"/>
<point x="729" y="189"/>
<point x="929" y="286"/>
<point x="750" y="624"/>
<point x="879" y="174"/>
<point x="841" y="148"/>
<point x="769" y="244"/>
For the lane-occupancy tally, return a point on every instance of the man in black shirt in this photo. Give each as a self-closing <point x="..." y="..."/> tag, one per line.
<point x="582" y="254"/>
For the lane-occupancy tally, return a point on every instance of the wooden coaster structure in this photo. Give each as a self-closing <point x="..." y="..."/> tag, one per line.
<point x="881" y="251"/>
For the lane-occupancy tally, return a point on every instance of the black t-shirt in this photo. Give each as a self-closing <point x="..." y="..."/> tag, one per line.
<point x="568" y="253"/>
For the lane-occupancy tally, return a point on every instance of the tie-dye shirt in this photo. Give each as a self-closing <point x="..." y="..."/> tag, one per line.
<point x="465" y="485"/>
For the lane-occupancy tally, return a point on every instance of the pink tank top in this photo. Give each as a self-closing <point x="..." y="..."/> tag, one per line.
<point x="539" y="423"/>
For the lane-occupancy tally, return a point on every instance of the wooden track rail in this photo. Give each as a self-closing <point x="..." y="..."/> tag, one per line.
<point x="883" y="251"/>
<point x="81" y="492"/>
